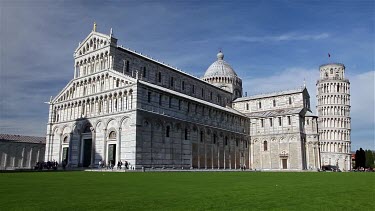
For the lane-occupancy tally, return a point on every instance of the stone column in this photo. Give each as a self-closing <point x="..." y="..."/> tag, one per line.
<point x="199" y="156"/>
<point x="51" y="147"/>
<point x="105" y="157"/>
<point x="307" y="153"/>
<point x="218" y="154"/>
<point x="235" y="157"/>
<point x="58" y="159"/>
<point x="224" y="157"/>
<point x="37" y="155"/>
<point x="251" y="154"/>
<point x="212" y="155"/>
<point x="70" y="148"/>
<point x="93" y="137"/>
<point x="118" y="147"/>
<point x="23" y="157"/>
<point x="31" y="155"/>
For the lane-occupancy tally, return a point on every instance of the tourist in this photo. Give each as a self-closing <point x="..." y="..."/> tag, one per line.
<point x="64" y="164"/>
<point x="100" y="164"/>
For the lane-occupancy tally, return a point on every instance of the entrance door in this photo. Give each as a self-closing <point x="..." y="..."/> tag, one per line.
<point x="112" y="153"/>
<point x="87" y="152"/>
<point x="65" y="155"/>
<point x="285" y="163"/>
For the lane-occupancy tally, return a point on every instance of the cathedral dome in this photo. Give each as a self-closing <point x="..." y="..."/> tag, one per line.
<point x="220" y="68"/>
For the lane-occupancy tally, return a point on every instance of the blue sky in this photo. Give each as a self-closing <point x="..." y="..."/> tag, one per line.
<point x="272" y="45"/>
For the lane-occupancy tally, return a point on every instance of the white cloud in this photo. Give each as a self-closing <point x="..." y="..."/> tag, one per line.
<point x="282" y="37"/>
<point x="287" y="79"/>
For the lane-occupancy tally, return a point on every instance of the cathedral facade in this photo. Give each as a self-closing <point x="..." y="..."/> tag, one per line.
<point x="125" y="106"/>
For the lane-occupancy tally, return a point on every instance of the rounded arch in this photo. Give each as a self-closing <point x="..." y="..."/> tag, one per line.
<point x="111" y="122"/>
<point x="112" y="134"/>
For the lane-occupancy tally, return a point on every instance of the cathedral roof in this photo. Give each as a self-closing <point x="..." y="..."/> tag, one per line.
<point x="22" y="139"/>
<point x="203" y="102"/>
<point x="278" y="112"/>
<point x="220" y="68"/>
<point x="272" y="94"/>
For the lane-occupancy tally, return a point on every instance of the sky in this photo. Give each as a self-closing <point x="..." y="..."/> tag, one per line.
<point x="272" y="45"/>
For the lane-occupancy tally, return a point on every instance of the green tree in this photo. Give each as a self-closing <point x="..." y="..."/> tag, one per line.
<point x="369" y="158"/>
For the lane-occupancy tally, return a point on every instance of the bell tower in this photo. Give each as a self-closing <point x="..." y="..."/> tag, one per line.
<point x="333" y="95"/>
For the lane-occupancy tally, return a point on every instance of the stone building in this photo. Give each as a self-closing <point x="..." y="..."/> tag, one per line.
<point x="333" y="108"/>
<point x="282" y="129"/>
<point x="19" y="152"/>
<point x="123" y="105"/>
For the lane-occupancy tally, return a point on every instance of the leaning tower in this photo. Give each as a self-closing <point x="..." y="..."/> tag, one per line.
<point x="333" y="94"/>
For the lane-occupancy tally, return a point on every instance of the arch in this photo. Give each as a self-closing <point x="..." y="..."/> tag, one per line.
<point x="111" y="122"/>
<point x="112" y="135"/>
<point x="124" y="120"/>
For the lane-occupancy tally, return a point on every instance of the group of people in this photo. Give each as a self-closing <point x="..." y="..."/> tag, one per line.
<point x="40" y="165"/>
<point x="111" y="164"/>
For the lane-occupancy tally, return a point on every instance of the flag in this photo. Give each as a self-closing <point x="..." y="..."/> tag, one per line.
<point x="329" y="55"/>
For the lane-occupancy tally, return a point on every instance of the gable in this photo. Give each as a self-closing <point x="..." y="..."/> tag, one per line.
<point x="92" y="42"/>
<point x="93" y="84"/>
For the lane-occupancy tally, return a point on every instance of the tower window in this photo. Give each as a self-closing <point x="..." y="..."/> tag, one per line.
<point x="149" y="97"/>
<point x="170" y="102"/>
<point x="289" y="120"/>
<point x="193" y="89"/>
<point x="201" y="136"/>
<point x="167" y="131"/>
<point x="271" y="123"/>
<point x="186" y="134"/>
<point x="159" y="77"/>
<point x="160" y="99"/>
<point x="127" y="66"/>
<point x="260" y="105"/>
<point x="172" y="82"/>
<point x="290" y="100"/>
<point x="280" y="123"/>
<point x="144" y="72"/>
<point x="265" y="146"/>
<point x="247" y="106"/>
<point x="274" y="103"/>
<point x="183" y="85"/>
<point x="226" y="141"/>
<point x="262" y="122"/>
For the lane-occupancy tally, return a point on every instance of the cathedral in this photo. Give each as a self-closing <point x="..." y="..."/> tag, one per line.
<point x="124" y="106"/>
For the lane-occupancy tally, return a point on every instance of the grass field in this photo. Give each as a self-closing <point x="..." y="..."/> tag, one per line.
<point x="187" y="190"/>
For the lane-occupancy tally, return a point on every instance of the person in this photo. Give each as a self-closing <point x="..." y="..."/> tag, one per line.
<point x="64" y="164"/>
<point x="126" y="164"/>
<point x="118" y="165"/>
<point x="100" y="164"/>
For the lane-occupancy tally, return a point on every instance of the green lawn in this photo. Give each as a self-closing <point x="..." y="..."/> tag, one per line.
<point x="187" y="190"/>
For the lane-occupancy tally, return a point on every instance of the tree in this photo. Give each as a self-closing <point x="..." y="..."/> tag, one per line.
<point x="369" y="159"/>
<point x="357" y="158"/>
<point x="360" y="158"/>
